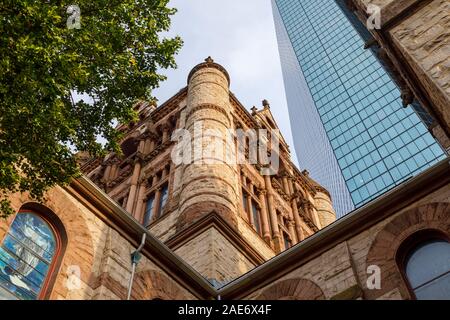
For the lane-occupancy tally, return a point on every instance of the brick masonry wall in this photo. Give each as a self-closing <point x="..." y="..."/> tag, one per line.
<point x="102" y="255"/>
<point x="424" y="41"/>
<point x="214" y="257"/>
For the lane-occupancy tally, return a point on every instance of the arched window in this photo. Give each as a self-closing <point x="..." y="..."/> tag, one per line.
<point x="27" y="256"/>
<point x="427" y="269"/>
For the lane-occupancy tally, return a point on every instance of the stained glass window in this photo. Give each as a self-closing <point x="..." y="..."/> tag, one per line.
<point x="25" y="257"/>
<point x="428" y="271"/>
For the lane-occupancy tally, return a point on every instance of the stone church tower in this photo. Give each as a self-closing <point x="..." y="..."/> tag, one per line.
<point x="222" y="217"/>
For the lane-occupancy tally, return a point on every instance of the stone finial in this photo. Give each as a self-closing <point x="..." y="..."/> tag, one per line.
<point x="266" y="104"/>
<point x="254" y="110"/>
<point x="209" y="63"/>
<point x="305" y="172"/>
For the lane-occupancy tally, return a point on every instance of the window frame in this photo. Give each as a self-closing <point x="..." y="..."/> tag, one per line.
<point x="408" y="247"/>
<point x="60" y="244"/>
<point x="161" y="184"/>
<point x="151" y="217"/>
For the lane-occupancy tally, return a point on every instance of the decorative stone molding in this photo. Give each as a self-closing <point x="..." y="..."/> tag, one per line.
<point x="207" y="106"/>
<point x="209" y="63"/>
<point x="293" y="289"/>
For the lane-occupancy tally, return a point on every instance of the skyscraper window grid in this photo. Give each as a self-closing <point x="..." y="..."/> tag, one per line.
<point x="377" y="143"/>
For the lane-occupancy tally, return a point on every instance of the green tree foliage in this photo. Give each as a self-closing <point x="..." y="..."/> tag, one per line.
<point x="113" y="56"/>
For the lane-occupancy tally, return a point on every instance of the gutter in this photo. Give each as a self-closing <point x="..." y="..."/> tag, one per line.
<point x="128" y="227"/>
<point x="135" y="258"/>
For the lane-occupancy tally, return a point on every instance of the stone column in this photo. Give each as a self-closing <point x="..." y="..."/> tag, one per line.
<point x="209" y="187"/>
<point x="285" y="181"/>
<point x="154" y="180"/>
<point x="141" y="147"/>
<point x="114" y="169"/>
<point x="276" y="236"/>
<point x="244" y="179"/>
<point x="165" y="131"/>
<point x="107" y="174"/>
<point x="298" y="226"/>
<point x="151" y="145"/>
<point x="165" y="172"/>
<point x="155" y="213"/>
<point x="313" y="213"/>
<point x="264" y="216"/>
<point x="149" y="142"/>
<point x="294" y="204"/>
<point x="140" y="203"/>
<point x="251" y="188"/>
<point x="250" y="211"/>
<point x="133" y="187"/>
<point x="289" y="191"/>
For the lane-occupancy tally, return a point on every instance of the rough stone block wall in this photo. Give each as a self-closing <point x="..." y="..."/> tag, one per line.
<point x="331" y="272"/>
<point x="214" y="257"/>
<point x="424" y="40"/>
<point x="165" y="228"/>
<point x="389" y="8"/>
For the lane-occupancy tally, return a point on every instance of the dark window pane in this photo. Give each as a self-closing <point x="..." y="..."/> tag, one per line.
<point x="428" y="262"/>
<point x="256" y="217"/>
<point x="149" y="210"/>
<point x="164" y="196"/>
<point x="287" y="241"/>
<point x="436" y="290"/>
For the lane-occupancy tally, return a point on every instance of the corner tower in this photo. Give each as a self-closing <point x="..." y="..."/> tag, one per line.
<point x="222" y="216"/>
<point x="209" y="182"/>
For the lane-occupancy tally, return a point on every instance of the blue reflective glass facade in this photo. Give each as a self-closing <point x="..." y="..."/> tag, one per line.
<point x="350" y="128"/>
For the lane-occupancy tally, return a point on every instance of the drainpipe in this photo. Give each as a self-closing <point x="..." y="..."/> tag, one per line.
<point x="135" y="257"/>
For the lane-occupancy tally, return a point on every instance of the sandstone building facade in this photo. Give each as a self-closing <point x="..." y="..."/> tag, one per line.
<point x="224" y="217"/>
<point x="205" y="225"/>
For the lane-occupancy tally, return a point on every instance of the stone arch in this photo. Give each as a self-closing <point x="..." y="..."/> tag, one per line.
<point x="384" y="249"/>
<point x="153" y="285"/>
<point x="293" y="289"/>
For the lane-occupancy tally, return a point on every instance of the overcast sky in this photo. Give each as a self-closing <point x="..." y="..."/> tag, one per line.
<point x="240" y="35"/>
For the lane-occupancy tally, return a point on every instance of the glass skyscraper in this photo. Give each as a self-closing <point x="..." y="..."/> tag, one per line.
<point x="349" y="125"/>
